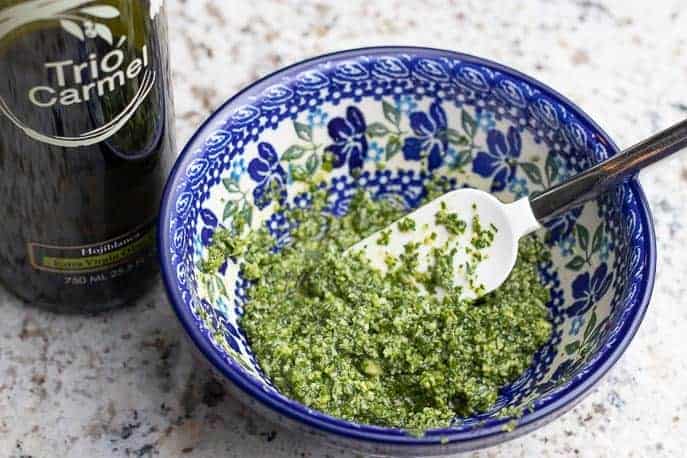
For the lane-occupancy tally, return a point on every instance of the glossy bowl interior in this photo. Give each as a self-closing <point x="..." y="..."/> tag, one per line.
<point x="396" y="112"/>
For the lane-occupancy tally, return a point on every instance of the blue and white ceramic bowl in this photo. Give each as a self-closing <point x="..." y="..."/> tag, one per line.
<point x="395" y="113"/>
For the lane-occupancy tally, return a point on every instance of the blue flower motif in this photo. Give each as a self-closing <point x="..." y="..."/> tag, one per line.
<point x="567" y="244"/>
<point x="340" y="184"/>
<point x="430" y="140"/>
<point x="576" y="325"/>
<point x="238" y="168"/>
<point x="485" y="120"/>
<point x="277" y="224"/>
<point x="383" y="178"/>
<point x="405" y="104"/>
<point x="501" y="159"/>
<point x="208" y="217"/>
<point x="563" y="225"/>
<point x="317" y="117"/>
<point x="587" y="291"/>
<point x="406" y="176"/>
<point x="518" y="186"/>
<point x="303" y="200"/>
<point x="268" y="173"/>
<point x="350" y="143"/>
<point x="206" y="235"/>
<point x="375" y="152"/>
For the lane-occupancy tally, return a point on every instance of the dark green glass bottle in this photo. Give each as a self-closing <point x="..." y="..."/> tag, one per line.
<point x="86" y="140"/>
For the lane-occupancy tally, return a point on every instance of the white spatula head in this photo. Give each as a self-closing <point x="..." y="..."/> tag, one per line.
<point x="510" y="221"/>
<point x="477" y="269"/>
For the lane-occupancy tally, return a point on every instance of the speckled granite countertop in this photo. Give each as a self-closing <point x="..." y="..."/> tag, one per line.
<point x="124" y="384"/>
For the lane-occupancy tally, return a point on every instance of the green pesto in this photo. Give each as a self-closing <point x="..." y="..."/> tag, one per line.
<point x="384" y="237"/>
<point x="343" y="338"/>
<point x="453" y="224"/>
<point x="406" y="225"/>
<point x="224" y="245"/>
<point x="482" y="237"/>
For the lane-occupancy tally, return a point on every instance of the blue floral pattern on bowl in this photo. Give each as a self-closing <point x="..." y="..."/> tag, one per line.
<point x="390" y="120"/>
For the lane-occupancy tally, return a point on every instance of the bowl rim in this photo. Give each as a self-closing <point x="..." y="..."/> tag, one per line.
<point x="493" y="434"/>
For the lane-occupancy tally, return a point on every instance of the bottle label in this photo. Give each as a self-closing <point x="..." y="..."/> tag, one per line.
<point x="72" y="82"/>
<point x="95" y="257"/>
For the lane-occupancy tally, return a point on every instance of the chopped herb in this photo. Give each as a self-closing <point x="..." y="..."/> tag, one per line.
<point x="406" y="225"/>
<point x="344" y="338"/>
<point x="431" y="237"/>
<point x="251" y="271"/>
<point x="384" y="237"/>
<point x="371" y="368"/>
<point x="440" y="274"/>
<point x="453" y="224"/>
<point x="482" y="238"/>
<point x="225" y="244"/>
<point x="510" y="426"/>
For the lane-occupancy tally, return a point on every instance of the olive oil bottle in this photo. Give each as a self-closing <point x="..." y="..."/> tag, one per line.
<point x="86" y="140"/>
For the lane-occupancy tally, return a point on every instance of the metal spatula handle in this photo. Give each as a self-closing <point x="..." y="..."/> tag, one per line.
<point x="591" y="183"/>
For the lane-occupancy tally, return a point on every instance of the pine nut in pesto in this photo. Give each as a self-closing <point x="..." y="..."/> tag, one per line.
<point x="341" y="337"/>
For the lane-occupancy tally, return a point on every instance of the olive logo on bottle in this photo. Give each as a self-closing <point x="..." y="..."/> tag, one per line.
<point x="77" y="82"/>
